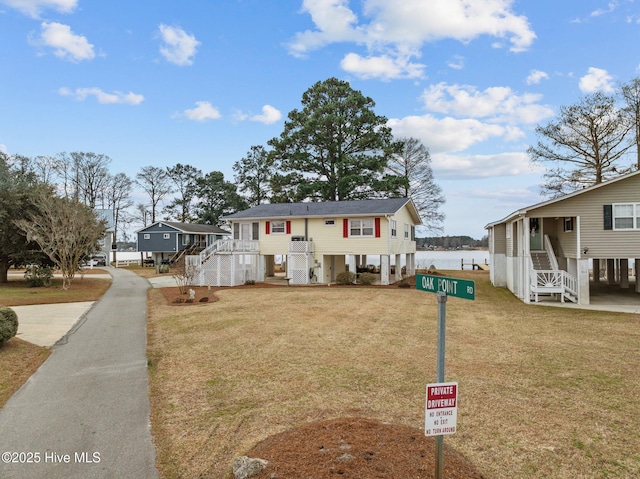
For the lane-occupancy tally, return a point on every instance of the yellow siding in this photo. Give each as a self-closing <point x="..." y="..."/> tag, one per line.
<point x="329" y="240"/>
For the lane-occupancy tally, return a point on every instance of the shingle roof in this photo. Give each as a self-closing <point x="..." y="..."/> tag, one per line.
<point x="196" y="228"/>
<point x="525" y="210"/>
<point x="386" y="206"/>
<point x="191" y="228"/>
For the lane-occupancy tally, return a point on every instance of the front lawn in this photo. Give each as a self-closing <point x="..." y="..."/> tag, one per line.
<point x="544" y="392"/>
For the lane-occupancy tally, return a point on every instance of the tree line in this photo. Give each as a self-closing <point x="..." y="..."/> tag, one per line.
<point x="334" y="148"/>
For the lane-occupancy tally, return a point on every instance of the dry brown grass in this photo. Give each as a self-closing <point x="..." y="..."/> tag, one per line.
<point x="18" y="293"/>
<point x="544" y="392"/>
<point x="18" y="361"/>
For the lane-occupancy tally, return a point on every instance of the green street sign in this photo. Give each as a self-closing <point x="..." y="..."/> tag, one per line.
<point x="458" y="288"/>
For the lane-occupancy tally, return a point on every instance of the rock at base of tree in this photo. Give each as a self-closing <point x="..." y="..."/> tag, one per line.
<point x="245" y="467"/>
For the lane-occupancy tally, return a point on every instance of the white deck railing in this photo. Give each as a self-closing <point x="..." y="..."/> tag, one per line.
<point x="230" y="246"/>
<point x="552" y="282"/>
<point x="550" y="253"/>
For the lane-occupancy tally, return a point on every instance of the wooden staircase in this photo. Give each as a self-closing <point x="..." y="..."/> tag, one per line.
<point x="548" y="279"/>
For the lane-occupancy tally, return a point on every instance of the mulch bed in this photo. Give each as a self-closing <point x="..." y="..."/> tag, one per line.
<point x="174" y="297"/>
<point x="357" y="448"/>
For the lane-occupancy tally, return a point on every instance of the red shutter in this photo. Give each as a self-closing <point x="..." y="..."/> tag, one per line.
<point x="377" y="223"/>
<point x="288" y="227"/>
<point x="345" y="228"/>
<point x="267" y="227"/>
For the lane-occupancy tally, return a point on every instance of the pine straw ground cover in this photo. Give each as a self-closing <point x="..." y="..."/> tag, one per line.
<point x="544" y="392"/>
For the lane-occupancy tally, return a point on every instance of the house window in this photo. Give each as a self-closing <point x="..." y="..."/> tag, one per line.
<point x="363" y="227"/>
<point x="394" y="229"/>
<point x="147" y="236"/>
<point x="568" y="224"/>
<point x="186" y="240"/>
<point x="277" y="227"/>
<point x="626" y="216"/>
<point x="166" y="236"/>
<point x="406" y="231"/>
<point x="329" y="222"/>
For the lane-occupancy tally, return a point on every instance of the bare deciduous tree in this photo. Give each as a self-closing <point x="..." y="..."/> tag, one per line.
<point x="414" y="164"/>
<point x="156" y="184"/>
<point x="583" y="145"/>
<point x="67" y="232"/>
<point x="631" y="96"/>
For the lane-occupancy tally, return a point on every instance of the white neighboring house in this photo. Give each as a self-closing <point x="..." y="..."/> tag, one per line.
<point x="318" y="240"/>
<point x="107" y="244"/>
<point x="546" y="248"/>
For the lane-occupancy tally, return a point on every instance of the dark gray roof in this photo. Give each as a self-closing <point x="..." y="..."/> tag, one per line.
<point x="386" y="206"/>
<point x="191" y="228"/>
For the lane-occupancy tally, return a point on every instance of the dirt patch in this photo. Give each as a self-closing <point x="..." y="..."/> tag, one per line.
<point x="357" y="448"/>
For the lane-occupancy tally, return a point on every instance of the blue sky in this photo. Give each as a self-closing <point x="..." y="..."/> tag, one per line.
<point x="166" y="82"/>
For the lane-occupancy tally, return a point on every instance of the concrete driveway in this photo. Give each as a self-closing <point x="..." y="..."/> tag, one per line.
<point x="46" y="324"/>
<point x="85" y="412"/>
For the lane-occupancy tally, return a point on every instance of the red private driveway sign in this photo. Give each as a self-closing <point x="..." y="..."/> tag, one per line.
<point x="441" y="411"/>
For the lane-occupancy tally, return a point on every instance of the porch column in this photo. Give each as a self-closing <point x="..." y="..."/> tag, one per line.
<point x="596" y="270"/>
<point x="582" y="277"/>
<point x="352" y="263"/>
<point x="637" y="264"/>
<point x="410" y="259"/>
<point x="624" y="273"/>
<point x="611" y="270"/>
<point x="398" y="275"/>
<point x="384" y="269"/>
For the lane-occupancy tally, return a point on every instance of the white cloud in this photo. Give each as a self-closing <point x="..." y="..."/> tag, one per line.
<point x="448" y="134"/>
<point x="611" y="6"/>
<point x="500" y="104"/>
<point x="202" y="112"/>
<point x="178" y="47"/>
<point x="81" y="94"/>
<point x="597" y="79"/>
<point x="456" y="62"/>
<point x="269" y="115"/>
<point x="384" y="67"/>
<point x="33" y="8"/>
<point x="447" y="166"/>
<point x="66" y="44"/>
<point x="536" y="76"/>
<point x="402" y="26"/>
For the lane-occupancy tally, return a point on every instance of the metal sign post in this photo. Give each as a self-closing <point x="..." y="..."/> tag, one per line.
<point x="459" y="288"/>
<point x="442" y="327"/>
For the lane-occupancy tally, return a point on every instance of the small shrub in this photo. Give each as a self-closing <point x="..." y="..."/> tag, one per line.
<point x="249" y="282"/>
<point x="163" y="268"/>
<point x="38" y="276"/>
<point x="204" y="299"/>
<point x="8" y="324"/>
<point x="188" y="300"/>
<point x="346" y="277"/>
<point x="367" y="278"/>
<point x="178" y="299"/>
<point x="404" y="283"/>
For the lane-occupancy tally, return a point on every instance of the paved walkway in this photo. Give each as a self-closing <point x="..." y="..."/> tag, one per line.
<point x="85" y="412"/>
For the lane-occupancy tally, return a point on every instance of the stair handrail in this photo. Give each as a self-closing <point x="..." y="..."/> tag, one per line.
<point x="548" y="247"/>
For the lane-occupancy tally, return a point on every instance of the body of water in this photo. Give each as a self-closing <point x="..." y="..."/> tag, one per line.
<point x="450" y="259"/>
<point x="424" y="259"/>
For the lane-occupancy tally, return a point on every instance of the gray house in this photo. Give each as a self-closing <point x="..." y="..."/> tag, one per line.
<point x="558" y="246"/>
<point x="169" y="241"/>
